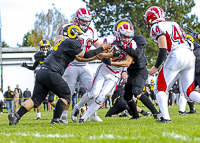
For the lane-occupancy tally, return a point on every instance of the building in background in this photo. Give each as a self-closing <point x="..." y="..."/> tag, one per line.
<point x="14" y="74"/>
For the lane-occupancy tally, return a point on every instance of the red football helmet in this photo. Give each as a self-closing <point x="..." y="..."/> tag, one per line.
<point x="125" y="30"/>
<point x="84" y="15"/>
<point x="154" y="14"/>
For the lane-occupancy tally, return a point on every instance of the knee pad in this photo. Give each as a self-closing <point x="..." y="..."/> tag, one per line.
<point x="99" y="99"/>
<point x="36" y="102"/>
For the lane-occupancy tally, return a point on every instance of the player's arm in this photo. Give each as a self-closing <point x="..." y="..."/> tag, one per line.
<point x="98" y="44"/>
<point x="162" y="44"/>
<point x="35" y="64"/>
<point x="80" y="59"/>
<point x="125" y="63"/>
<point x="95" y="52"/>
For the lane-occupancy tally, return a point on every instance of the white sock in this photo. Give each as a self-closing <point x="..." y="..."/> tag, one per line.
<point x="162" y="99"/>
<point x="39" y="115"/>
<point x="64" y="113"/>
<point x="182" y="103"/>
<point x="195" y="96"/>
<point x="93" y="107"/>
<point x="82" y="101"/>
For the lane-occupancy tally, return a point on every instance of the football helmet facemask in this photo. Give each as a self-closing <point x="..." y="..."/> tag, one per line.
<point x="42" y="44"/>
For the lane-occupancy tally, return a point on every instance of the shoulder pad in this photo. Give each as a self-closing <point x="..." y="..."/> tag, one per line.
<point x="139" y="39"/>
<point x="196" y="45"/>
<point x="38" y="55"/>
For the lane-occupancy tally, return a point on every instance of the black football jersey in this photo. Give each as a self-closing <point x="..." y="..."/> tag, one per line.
<point x="62" y="54"/>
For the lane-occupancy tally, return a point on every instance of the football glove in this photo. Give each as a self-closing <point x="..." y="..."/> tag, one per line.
<point x="24" y="64"/>
<point x="106" y="61"/>
<point x="116" y="52"/>
<point x="193" y="33"/>
<point x="119" y="44"/>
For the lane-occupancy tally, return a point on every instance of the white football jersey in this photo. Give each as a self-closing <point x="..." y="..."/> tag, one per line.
<point x="173" y="32"/>
<point x="87" y="39"/>
<point x="122" y="57"/>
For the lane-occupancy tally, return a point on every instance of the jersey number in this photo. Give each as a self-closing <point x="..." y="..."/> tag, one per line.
<point x="56" y="47"/>
<point x="88" y="44"/>
<point x="176" y="35"/>
<point x="120" y="57"/>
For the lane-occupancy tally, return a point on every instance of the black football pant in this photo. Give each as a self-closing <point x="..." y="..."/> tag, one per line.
<point x="47" y="80"/>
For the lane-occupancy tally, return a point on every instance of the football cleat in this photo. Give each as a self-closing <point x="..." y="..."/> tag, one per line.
<point x="157" y="116"/>
<point x="81" y="121"/>
<point x="192" y="111"/>
<point x="95" y="118"/>
<point x="38" y="118"/>
<point x="63" y="120"/>
<point x="146" y="113"/>
<point x="55" y="121"/>
<point x="182" y="113"/>
<point x="13" y="118"/>
<point x="164" y="120"/>
<point x="74" y="115"/>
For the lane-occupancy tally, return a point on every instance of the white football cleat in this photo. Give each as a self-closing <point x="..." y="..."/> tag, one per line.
<point x="94" y="117"/>
<point x="74" y="115"/>
<point x="63" y="120"/>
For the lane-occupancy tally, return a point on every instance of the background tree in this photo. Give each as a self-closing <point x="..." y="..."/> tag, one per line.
<point x="46" y="26"/>
<point x="4" y="44"/>
<point x="107" y="12"/>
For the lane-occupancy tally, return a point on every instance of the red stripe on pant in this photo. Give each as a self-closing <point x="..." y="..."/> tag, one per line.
<point x="161" y="83"/>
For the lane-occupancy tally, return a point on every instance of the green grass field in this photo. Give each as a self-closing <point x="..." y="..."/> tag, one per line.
<point x="111" y="130"/>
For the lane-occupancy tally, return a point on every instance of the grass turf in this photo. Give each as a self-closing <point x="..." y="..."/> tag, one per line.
<point x="181" y="129"/>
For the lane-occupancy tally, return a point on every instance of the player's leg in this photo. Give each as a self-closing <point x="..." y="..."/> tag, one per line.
<point x="97" y="86"/>
<point x="38" y="113"/>
<point x="138" y="84"/>
<point x="128" y="97"/>
<point x="106" y="89"/>
<point x="39" y="94"/>
<point x="58" y="86"/>
<point x="71" y="81"/>
<point x="51" y="98"/>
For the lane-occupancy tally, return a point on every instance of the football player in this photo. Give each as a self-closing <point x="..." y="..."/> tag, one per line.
<point x="170" y="37"/>
<point x="138" y="74"/>
<point x="49" y="76"/>
<point x="81" y="70"/>
<point x="107" y="76"/>
<point x="40" y="56"/>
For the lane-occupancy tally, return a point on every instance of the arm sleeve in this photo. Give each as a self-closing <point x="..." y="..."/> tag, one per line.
<point x="93" y="53"/>
<point x="161" y="57"/>
<point x="34" y="66"/>
<point x="137" y="53"/>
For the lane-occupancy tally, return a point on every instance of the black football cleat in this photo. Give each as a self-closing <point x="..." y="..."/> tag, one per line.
<point x="157" y="116"/>
<point x="13" y="118"/>
<point x="146" y="113"/>
<point x="164" y="120"/>
<point x="140" y="117"/>
<point x="38" y="118"/>
<point x="182" y="113"/>
<point x="81" y="121"/>
<point x="193" y="111"/>
<point x="56" y="121"/>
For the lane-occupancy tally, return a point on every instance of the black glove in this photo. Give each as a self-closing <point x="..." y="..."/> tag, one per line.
<point x="193" y="33"/>
<point x="24" y="64"/>
<point x="106" y="61"/>
<point x="116" y="52"/>
<point x="119" y="44"/>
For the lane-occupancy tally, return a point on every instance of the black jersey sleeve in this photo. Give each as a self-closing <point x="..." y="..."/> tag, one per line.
<point x="35" y="64"/>
<point x="74" y="48"/>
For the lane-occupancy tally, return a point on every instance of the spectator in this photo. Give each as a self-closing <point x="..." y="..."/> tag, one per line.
<point x="26" y="94"/>
<point x="176" y="93"/>
<point x="82" y="91"/>
<point x="9" y="96"/>
<point x="170" y="96"/>
<point x="1" y="102"/>
<point x="19" y="91"/>
<point x="74" y="98"/>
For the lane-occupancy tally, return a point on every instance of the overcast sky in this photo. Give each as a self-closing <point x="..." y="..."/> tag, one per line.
<point x="18" y="16"/>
